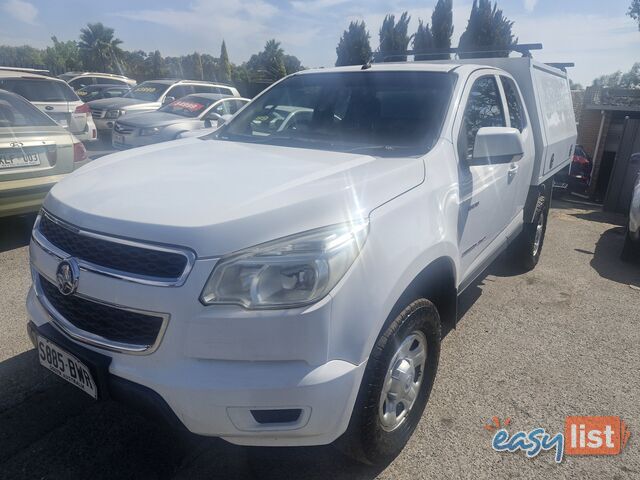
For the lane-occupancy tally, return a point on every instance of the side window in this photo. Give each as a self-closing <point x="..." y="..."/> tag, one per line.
<point x="484" y="109"/>
<point x="225" y="91"/>
<point x="81" y="82"/>
<point x="111" y="81"/>
<point x="220" y="109"/>
<point x="516" y="112"/>
<point x="180" y="91"/>
<point x="233" y="106"/>
<point x="206" y="89"/>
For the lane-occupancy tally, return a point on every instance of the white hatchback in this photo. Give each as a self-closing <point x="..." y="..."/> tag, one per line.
<point x="55" y="98"/>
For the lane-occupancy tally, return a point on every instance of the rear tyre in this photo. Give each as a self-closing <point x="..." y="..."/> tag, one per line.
<point x="630" y="250"/>
<point x="527" y="247"/>
<point x="396" y="385"/>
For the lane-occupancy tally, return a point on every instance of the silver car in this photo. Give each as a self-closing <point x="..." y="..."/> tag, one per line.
<point x="148" y="97"/>
<point x="632" y="241"/>
<point x="191" y="112"/>
<point x="35" y="153"/>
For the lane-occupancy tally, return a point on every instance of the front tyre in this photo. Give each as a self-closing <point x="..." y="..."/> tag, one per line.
<point x="396" y="385"/>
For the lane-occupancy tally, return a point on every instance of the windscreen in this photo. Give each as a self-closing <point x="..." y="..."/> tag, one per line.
<point x="39" y="90"/>
<point x="147" y="91"/>
<point x="15" y="112"/>
<point x="189" y="106"/>
<point x="391" y="112"/>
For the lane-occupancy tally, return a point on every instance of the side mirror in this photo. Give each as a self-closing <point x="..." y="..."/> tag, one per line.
<point x="207" y="123"/>
<point x="223" y="119"/>
<point x="168" y="100"/>
<point x="497" y="145"/>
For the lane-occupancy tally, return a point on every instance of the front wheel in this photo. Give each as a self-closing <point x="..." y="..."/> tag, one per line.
<point x="396" y="385"/>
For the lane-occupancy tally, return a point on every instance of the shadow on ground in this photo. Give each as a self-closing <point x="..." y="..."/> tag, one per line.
<point x="606" y="259"/>
<point x="15" y="232"/>
<point x="49" y="429"/>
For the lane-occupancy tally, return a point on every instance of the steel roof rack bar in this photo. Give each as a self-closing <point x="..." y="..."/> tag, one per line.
<point x="523" y="48"/>
<point x="562" y="65"/>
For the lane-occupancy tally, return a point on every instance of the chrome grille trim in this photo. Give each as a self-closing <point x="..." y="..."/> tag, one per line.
<point x="69" y="329"/>
<point x="84" y="265"/>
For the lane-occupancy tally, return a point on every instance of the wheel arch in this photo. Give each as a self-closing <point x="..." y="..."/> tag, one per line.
<point x="437" y="283"/>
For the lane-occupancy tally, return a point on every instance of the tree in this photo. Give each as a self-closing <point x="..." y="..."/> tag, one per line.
<point x="393" y="38"/>
<point x="353" y="47"/>
<point x="292" y="64"/>
<point x="630" y="79"/>
<point x="268" y="65"/>
<point x="192" y="67"/>
<point x="634" y="11"/>
<point x="225" y="65"/>
<point x="22" y="56"/>
<point x="98" y="48"/>
<point x="62" y="56"/>
<point x="442" y="27"/>
<point x="134" y="64"/>
<point x="575" y="86"/>
<point x="422" y="41"/>
<point x="488" y="32"/>
<point x="155" y="66"/>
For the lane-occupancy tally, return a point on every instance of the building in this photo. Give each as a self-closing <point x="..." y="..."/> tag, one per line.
<point x="609" y="130"/>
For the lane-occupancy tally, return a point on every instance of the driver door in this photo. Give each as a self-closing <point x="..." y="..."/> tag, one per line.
<point x="484" y="206"/>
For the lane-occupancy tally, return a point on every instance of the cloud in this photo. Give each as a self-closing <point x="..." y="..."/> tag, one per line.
<point x="21" y="10"/>
<point x="529" y="5"/>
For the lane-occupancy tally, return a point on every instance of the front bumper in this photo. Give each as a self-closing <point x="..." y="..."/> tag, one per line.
<point x="214" y="366"/>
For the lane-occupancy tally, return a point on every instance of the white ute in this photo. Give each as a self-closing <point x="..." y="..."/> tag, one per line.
<point x="289" y="286"/>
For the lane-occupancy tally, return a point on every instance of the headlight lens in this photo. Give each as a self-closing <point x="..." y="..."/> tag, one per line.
<point x="149" y="131"/>
<point x="113" y="113"/>
<point x="290" y="272"/>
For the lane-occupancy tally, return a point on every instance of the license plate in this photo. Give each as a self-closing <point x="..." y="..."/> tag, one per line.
<point x="18" y="159"/>
<point x="118" y="138"/>
<point x="66" y="366"/>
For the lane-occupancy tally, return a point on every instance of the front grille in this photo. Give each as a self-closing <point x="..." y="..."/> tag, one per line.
<point x="111" y="323"/>
<point x="119" y="128"/>
<point x="97" y="112"/>
<point x="145" y="262"/>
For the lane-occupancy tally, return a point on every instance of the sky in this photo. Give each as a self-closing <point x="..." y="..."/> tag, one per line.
<point x="595" y="34"/>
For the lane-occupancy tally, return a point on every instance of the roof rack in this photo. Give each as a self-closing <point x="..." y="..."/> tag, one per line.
<point x="39" y="71"/>
<point x="523" y="48"/>
<point x="561" y="65"/>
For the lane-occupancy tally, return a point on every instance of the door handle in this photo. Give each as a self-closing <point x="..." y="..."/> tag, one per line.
<point x="513" y="170"/>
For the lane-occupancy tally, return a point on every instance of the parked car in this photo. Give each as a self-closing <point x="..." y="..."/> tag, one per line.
<point x="96" y="92"/>
<point x="631" y="250"/>
<point x="35" y="153"/>
<point x="576" y="176"/>
<point x="55" y="98"/>
<point x="193" y="112"/>
<point x="279" y="119"/>
<point x="149" y="96"/>
<point x="78" y="80"/>
<point x="317" y="265"/>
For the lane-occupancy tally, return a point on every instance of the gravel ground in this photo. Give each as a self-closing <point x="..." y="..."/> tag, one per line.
<point x="561" y="340"/>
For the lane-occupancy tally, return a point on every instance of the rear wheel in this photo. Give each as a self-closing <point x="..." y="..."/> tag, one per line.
<point x="527" y="247"/>
<point x="631" y="250"/>
<point x="396" y="385"/>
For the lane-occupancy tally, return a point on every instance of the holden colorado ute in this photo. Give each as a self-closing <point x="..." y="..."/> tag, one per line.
<point x="288" y="286"/>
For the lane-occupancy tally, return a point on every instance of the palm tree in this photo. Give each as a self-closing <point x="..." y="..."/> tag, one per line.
<point x="274" y="59"/>
<point x="100" y="51"/>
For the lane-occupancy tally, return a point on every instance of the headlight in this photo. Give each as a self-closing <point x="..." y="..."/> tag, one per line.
<point x="113" y="114"/>
<point x="149" y="131"/>
<point x="289" y="272"/>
